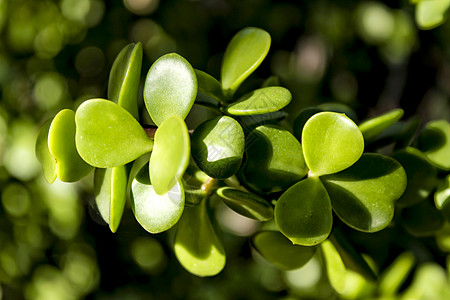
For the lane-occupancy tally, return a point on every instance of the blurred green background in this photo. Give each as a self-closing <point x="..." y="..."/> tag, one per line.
<point x="54" y="54"/>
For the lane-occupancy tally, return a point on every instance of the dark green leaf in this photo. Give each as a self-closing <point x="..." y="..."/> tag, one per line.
<point x="422" y="219"/>
<point x="373" y="127"/>
<point x="302" y="118"/>
<point x="43" y="153"/>
<point x="209" y="86"/>
<point x="339" y="108"/>
<point x="303" y="213"/>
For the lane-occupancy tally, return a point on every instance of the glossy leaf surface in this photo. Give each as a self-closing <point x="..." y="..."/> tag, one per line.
<point x="70" y="167"/>
<point x="246" y="204"/>
<point x="43" y="154"/>
<point x="209" y="86"/>
<point x="335" y="267"/>
<point x="434" y="141"/>
<point x="245" y="52"/>
<point x="218" y="146"/>
<point x="303" y="212"/>
<point x="156" y="213"/>
<point x="373" y="127"/>
<point x="197" y="246"/>
<point x="110" y="186"/>
<point x="108" y="135"/>
<point x="125" y="77"/>
<point x="331" y="143"/>
<point x="170" y="88"/>
<point x="278" y="250"/>
<point x="260" y="101"/>
<point x="442" y="197"/>
<point x="421" y="176"/>
<point x="170" y="156"/>
<point x="363" y="196"/>
<point x="430" y="13"/>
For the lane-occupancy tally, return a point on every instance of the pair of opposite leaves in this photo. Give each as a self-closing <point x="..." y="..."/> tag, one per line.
<point x="361" y="188"/>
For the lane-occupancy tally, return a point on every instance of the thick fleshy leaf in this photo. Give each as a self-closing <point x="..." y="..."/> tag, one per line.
<point x="335" y="267"/>
<point x="442" y="197"/>
<point x="170" y="156"/>
<point x="278" y="250"/>
<point x="303" y="213"/>
<point x="421" y="176"/>
<point x="274" y="159"/>
<point x="434" y="141"/>
<point x="260" y="101"/>
<point x="246" y="204"/>
<point x="70" y="167"/>
<point x="373" y="127"/>
<point x="170" y="88"/>
<point x="431" y="13"/>
<point x="331" y="143"/>
<point x="197" y="246"/>
<point x="110" y="186"/>
<point x="156" y="213"/>
<point x="422" y="219"/>
<point x="218" y="146"/>
<point x="363" y="196"/>
<point x="125" y="77"/>
<point x="395" y="275"/>
<point x="302" y="118"/>
<point x="43" y="154"/>
<point x="209" y="86"/>
<point x="245" y="52"/>
<point x="401" y="133"/>
<point x="109" y="136"/>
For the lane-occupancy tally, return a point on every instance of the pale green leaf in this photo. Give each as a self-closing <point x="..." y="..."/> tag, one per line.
<point x="335" y="267"/>
<point x="373" y="127"/>
<point x="434" y="141"/>
<point x="43" y="153"/>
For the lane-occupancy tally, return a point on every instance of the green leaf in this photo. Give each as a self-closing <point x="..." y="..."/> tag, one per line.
<point x="218" y="146"/>
<point x="331" y="143"/>
<point x="260" y="101"/>
<point x="420" y="173"/>
<point x="336" y="271"/>
<point x="125" y="77"/>
<point x="363" y="196"/>
<point x="170" y="88"/>
<point x="210" y="86"/>
<point x="245" y="52"/>
<point x="70" y="167"/>
<point x="110" y="186"/>
<point x="442" y="197"/>
<point x="392" y="279"/>
<point x="271" y="81"/>
<point x="339" y="108"/>
<point x="170" y="156"/>
<point x="246" y="204"/>
<point x="303" y="212"/>
<point x="422" y="219"/>
<point x="431" y="13"/>
<point x="302" y="118"/>
<point x="278" y="250"/>
<point x="373" y="127"/>
<point x="156" y="213"/>
<point x="197" y="246"/>
<point x="401" y="133"/>
<point x="108" y="135"/>
<point x="274" y="159"/>
<point x="43" y="153"/>
<point x="434" y="141"/>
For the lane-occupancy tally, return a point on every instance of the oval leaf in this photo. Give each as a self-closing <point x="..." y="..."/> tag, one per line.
<point x="156" y="213"/>
<point x="302" y="118"/>
<point x="110" y="186"/>
<point x="70" y="167"/>
<point x="303" y="213"/>
<point x="363" y="196"/>
<point x="125" y="77"/>
<point x="274" y="159"/>
<point x="218" y="146"/>
<point x="170" y="156"/>
<point x="434" y="141"/>
<point x="331" y="143"/>
<point x="373" y="127"/>
<point x="170" y="88"/>
<point x="421" y="176"/>
<point x="246" y="204"/>
<point x="245" y="52"/>
<point x="43" y="154"/>
<point x="210" y="86"/>
<point x="336" y="270"/>
<point x="260" y="101"/>
<point x="430" y="13"/>
<point x="108" y="135"/>
<point x="197" y="247"/>
<point x="278" y="250"/>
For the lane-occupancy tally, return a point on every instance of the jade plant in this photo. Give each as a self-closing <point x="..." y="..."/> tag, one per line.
<point x="304" y="183"/>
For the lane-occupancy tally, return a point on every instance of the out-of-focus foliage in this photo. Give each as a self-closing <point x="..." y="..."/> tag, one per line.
<point x="370" y="55"/>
